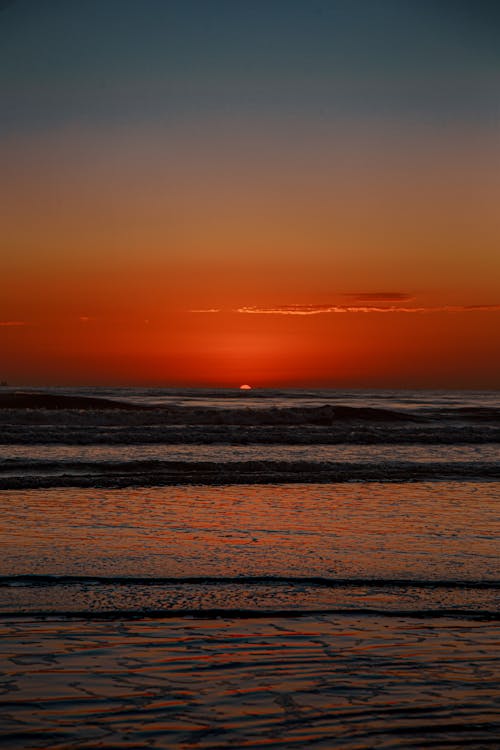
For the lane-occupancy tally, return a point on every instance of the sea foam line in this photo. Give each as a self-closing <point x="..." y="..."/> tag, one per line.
<point x="252" y="614"/>
<point x="316" y="581"/>
<point x="257" y="472"/>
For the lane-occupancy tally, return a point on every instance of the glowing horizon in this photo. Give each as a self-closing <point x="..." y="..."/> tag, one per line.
<point x="221" y="193"/>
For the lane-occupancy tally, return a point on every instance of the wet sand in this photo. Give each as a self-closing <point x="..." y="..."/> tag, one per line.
<point x="422" y="531"/>
<point x="356" y="616"/>
<point x="346" y="681"/>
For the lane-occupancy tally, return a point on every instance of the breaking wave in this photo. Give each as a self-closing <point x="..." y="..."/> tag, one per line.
<point x="58" y="419"/>
<point x="250" y="597"/>
<point x="115" y="474"/>
<point x="33" y="579"/>
<point x="250" y="614"/>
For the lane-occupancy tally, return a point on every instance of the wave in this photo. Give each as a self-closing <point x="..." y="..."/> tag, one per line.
<point x="172" y="414"/>
<point x="247" y="614"/>
<point x="77" y="431"/>
<point x="27" y="458"/>
<point x="116" y="474"/>
<point x="324" y="414"/>
<point x="34" y="579"/>
<point x="243" y="464"/>
<point x="52" y="401"/>
<point x="55" y="419"/>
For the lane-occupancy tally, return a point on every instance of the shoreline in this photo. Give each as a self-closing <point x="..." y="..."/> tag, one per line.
<point x="314" y="681"/>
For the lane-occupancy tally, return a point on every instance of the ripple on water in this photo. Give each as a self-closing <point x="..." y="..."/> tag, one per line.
<point x="326" y="682"/>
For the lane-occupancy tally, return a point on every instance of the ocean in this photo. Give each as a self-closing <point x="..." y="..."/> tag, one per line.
<point x="216" y="568"/>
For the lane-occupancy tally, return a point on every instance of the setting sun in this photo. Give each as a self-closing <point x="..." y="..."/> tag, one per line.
<point x="331" y="229"/>
<point x="300" y="194"/>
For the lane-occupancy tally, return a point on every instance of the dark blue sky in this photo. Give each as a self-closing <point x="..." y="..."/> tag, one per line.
<point x="66" y="60"/>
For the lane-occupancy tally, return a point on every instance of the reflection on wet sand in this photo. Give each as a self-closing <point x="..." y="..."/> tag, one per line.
<point x="350" y="682"/>
<point x="372" y="677"/>
<point x="413" y="530"/>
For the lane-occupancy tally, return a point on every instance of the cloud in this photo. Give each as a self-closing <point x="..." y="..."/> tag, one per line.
<point x="209" y="310"/>
<point x="471" y="308"/>
<point x="343" y="309"/>
<point x="12" y="323"/>
<point x="333" y="309"/>
<point x="291" y="310"/>
<point x="380" y="296"/>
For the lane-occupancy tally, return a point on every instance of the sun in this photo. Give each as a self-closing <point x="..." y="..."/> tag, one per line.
<point x="245" y="387"/>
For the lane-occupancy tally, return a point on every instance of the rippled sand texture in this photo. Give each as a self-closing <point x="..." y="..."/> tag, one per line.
<point x="321" y="682"/>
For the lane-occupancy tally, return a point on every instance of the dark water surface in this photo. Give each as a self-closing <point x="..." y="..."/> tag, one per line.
<point x="345" y="681"/>
<point x="269" y="569"/>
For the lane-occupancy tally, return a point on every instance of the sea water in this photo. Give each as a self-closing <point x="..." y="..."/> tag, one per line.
<point x="258" y="569"/>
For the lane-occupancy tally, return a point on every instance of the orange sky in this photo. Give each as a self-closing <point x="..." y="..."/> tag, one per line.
<point x="118" y="232"/>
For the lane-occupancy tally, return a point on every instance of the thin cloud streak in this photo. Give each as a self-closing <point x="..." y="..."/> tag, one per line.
<point x="12" y="323"/>
<point x="209" y="310"/>
<point x="343" y="309"/>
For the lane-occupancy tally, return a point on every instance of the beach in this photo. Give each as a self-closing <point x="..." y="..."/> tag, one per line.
<point x="249" y="375"/>
<point x="145" y="607"/>
<point x="346" y="681"/>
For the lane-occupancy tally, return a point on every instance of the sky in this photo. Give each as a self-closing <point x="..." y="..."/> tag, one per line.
<point x="274" y="192"/>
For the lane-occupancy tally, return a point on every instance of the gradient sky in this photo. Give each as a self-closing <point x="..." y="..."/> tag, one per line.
<point x="278" y="192"/>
